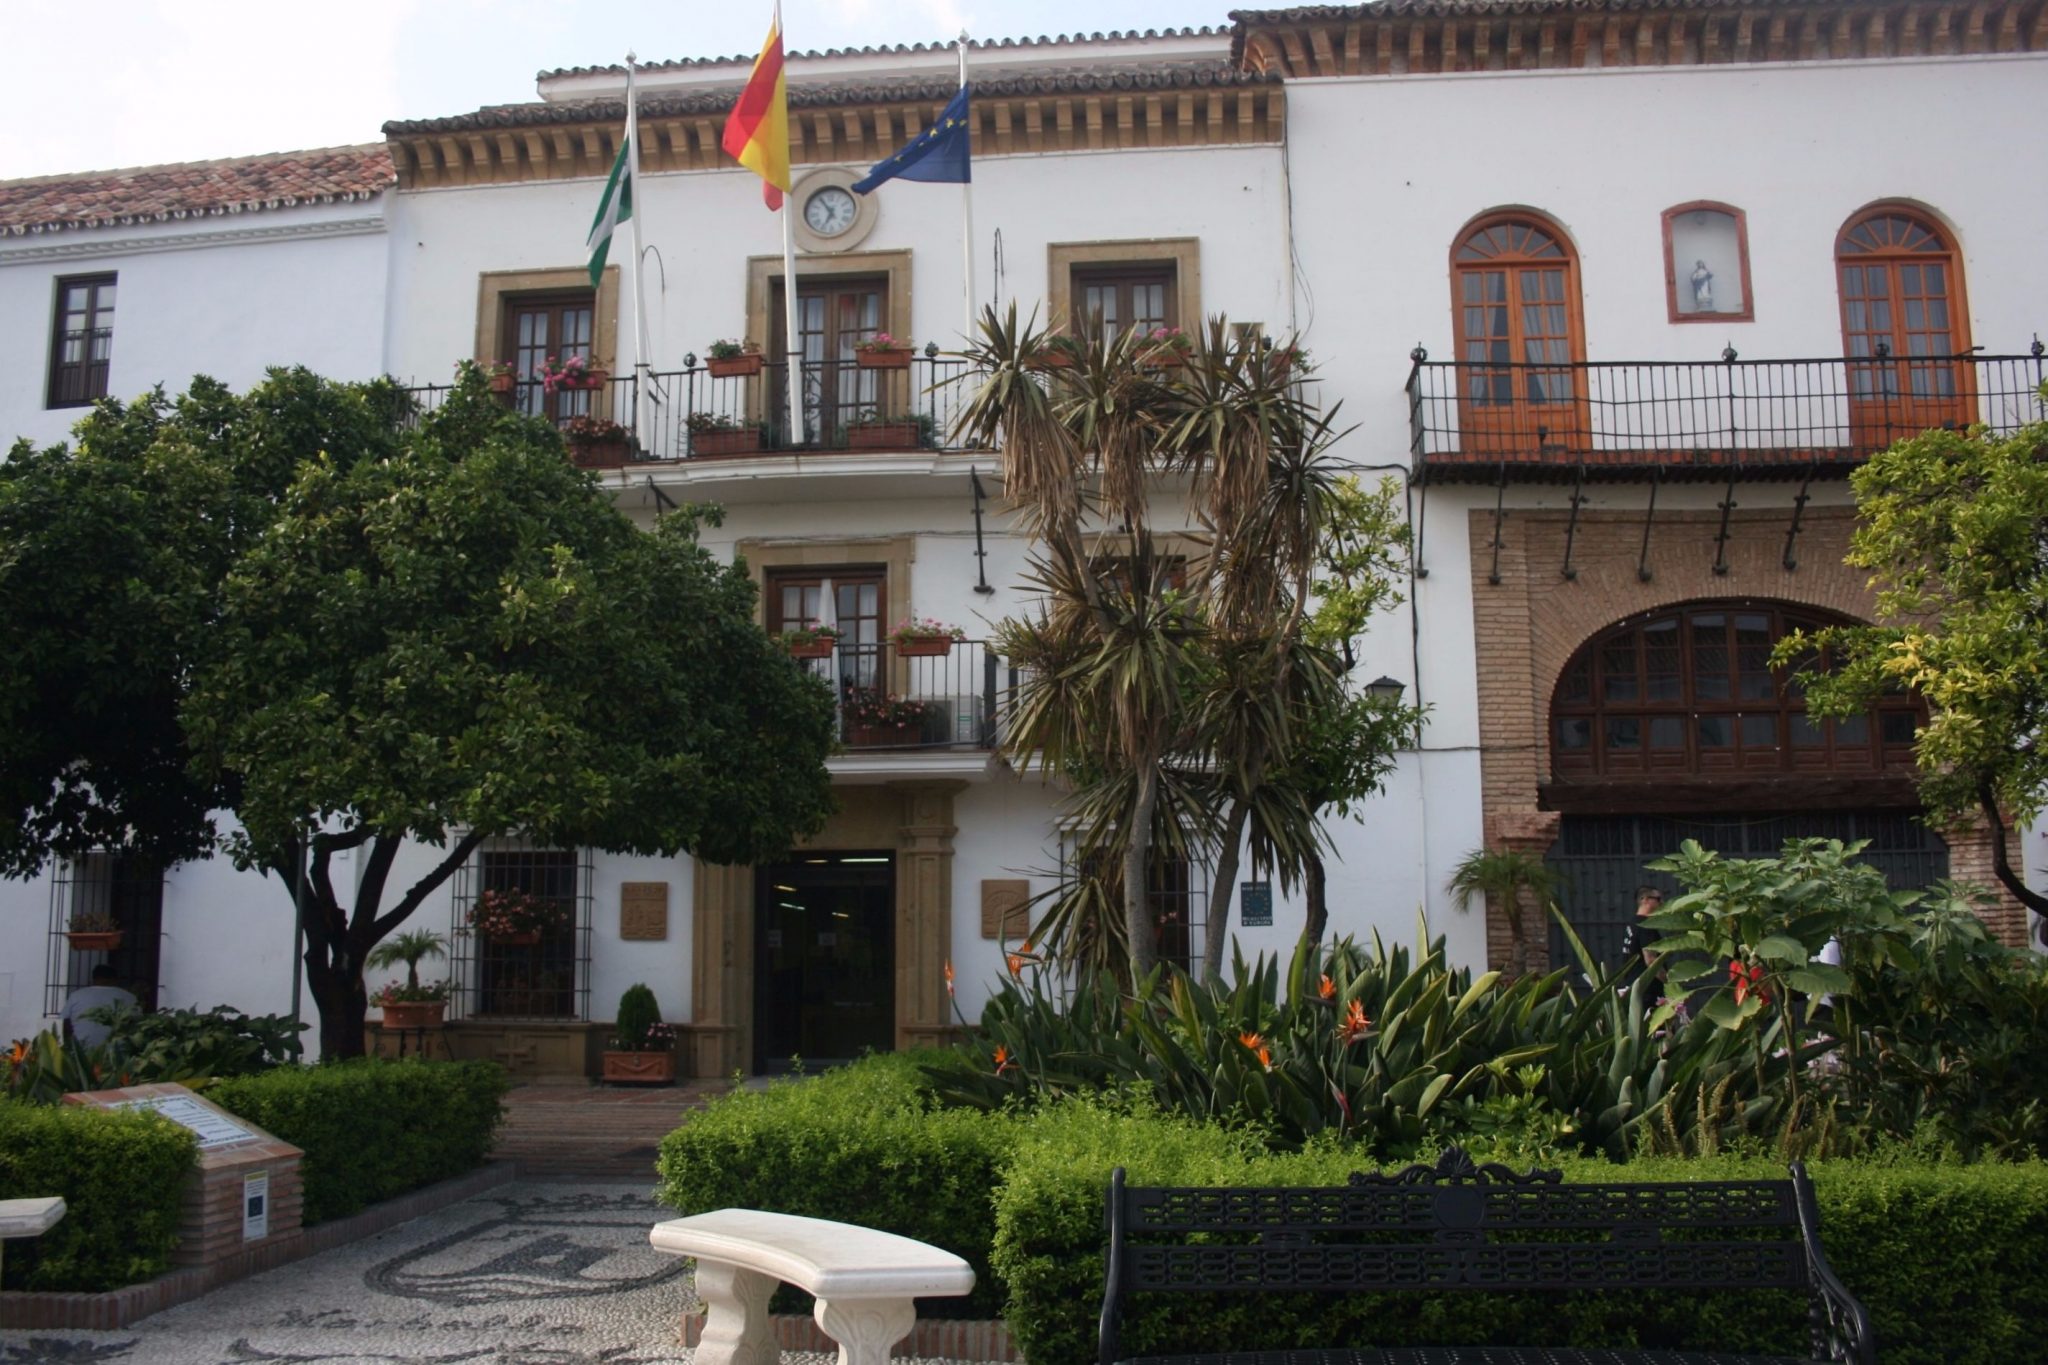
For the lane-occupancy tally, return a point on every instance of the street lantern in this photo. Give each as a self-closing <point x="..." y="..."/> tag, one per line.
<point x="1386" y="689"/>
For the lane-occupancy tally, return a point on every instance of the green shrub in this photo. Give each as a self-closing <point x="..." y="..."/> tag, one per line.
<point x="859" y="1144"/>
<point x="373" y="1129"/>
<point x="122" y="1176"/>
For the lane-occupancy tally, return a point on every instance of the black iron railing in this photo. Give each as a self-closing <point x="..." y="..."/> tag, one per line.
<point x="717" y="411"/>
<point x="1705" y="413"/>
<point x="947" y="694"/>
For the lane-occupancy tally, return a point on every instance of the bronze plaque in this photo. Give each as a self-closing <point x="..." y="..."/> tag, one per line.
<point x="643" y="910"/>
<point x="1005" y="909"/>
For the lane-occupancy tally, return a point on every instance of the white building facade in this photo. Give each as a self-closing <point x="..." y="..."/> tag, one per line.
<point x="1487" y="221"/>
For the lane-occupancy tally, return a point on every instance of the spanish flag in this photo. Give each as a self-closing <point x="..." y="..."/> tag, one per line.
<point x="757" y="129"/>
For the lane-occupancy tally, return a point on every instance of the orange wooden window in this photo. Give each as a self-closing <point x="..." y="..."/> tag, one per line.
<point x="1903" y="318"/>
<point x="1515" y="291"/>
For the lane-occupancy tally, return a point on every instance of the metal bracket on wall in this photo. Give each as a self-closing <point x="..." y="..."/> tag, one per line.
<point x="1727" y="506"/>
<point x="980" y="551"/>
<point x="1798" y="515"/>
<point x="662" y="501"/>
<point x="1418" y="495"/>
<point x="1649" y="519"/>
<point x="1571" y="530"/>
<point x="1500" y="500"/>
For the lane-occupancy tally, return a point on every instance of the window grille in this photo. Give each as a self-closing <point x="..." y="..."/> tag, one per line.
<point x="1177" y="889"/>
<point x="548" y="979"/>
<point x="129" y="892"/>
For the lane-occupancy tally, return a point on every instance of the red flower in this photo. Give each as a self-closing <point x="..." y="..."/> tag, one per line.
<point x="1748" y="980"/>
<point x="1355" y="1024"/>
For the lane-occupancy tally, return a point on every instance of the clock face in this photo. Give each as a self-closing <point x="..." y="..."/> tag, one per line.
<point x="830" y="211"/>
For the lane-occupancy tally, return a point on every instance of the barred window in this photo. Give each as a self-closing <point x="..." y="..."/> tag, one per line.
<point x="1176" y="888"/>
<point x="542" y="974"/>
<point x="106" y="909"/>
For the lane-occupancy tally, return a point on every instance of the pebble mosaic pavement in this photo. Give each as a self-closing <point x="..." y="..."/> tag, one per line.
<point x="528" y="1274"/>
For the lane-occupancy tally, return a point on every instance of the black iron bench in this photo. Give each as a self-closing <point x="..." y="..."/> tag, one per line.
<point x="1466" y="1227"/>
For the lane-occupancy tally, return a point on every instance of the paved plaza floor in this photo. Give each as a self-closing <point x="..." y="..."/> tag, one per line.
<point x="529" y="1274"/>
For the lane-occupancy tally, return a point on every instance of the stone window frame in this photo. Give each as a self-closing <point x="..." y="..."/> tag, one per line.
<point x="496" y="288"/>
<point x="1183" y="255"/>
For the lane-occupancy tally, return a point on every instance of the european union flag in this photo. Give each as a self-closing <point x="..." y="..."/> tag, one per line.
<point x="938" y="155"/>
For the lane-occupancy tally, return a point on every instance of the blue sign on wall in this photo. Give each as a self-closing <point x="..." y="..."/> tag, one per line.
<point x="1255" y="904"/>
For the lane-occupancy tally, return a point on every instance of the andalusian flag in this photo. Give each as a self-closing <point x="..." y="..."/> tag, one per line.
<point x="757" y="129"/>
<point x="617" y="205"/>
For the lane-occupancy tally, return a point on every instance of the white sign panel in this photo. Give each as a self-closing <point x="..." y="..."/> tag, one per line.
<point x="256" y="1206"/>
<point x="212" y="1129"/>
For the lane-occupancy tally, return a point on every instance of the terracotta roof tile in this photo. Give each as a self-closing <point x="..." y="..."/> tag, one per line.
<point x="976" y="45"/>
<point x="718" y="99"/>
<point x="193" y="189"/>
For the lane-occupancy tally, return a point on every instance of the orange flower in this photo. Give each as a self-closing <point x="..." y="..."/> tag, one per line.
<point x="949" y="976"/>
<point x="1355" y="1024"/>
<point x="1327" y="989"/>
<point x="1266" y="1058"/>
<point x="1251" y="1040"/>
<point x="1003" y="1062"/>
<point x="1016" y="961"/>
<point x="1748" y="981"/>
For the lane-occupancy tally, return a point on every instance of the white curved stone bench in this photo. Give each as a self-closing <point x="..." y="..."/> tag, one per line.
<point x="34" y="1217"/>
<point x="864" y="1281"/>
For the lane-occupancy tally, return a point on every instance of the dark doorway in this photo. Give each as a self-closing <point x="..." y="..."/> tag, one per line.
<point x="824" y="959"/>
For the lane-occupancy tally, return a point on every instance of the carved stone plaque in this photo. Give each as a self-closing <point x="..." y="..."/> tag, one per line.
<point x="1005" y="908"/>
<point x="643" y="910"/>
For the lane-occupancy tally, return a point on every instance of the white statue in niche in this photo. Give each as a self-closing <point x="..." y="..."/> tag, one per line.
<point x="1702" y="288"/>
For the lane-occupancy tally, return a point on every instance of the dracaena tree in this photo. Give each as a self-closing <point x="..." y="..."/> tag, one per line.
<point x="349" y="631"/>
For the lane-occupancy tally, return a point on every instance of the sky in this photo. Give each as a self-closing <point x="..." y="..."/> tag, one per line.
<point x="97" y="84"/>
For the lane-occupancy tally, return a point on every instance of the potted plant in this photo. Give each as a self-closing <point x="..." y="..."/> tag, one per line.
<point x="810" y="642"/>
<point x="713" y="433"/>
<point x="410" y="1005"/>
<point x="573" y="373"/>
<point x="922" y="637"/>
<point x="642" y="1049"/>
<point x="882" y="352"/>
<point x="499" y="373"/>
<point x="879" y="720"/>
<point x="597" y="442"/>
<point x="1164" y="348"/>
<point x="909" y="432"/>
<point x="1286" y="360"/>
<point x="516" y="919"/>
<point x="731" y="359"/>
<point x="93" y="931"/>
<point x="1054" y="353"/>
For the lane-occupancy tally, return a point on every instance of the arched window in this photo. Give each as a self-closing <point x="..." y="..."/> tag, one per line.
<point x="1903" y="315"/>
<point x="1515" y="295"/>
<point x="1690" y="691"/>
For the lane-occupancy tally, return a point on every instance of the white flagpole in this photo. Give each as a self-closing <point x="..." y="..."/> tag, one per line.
<point x="639" y="297"/>
<point x="966" y="222"/>
<point x="793" y="380"/>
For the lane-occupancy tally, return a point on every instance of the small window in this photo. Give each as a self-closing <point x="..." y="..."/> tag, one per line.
<point x="1146" y="282"/>
<point x="81" y="340"/>
<point x="106" y="911"/>
<point x="1117" y="299"/>
<point x="1176" y="892"/>
<point x="551" y="329"/>
<point x="539" y="975"/>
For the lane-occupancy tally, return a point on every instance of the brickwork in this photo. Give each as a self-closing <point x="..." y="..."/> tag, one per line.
<point x="1528" y="626"/>
<point x="930" y="1339"/>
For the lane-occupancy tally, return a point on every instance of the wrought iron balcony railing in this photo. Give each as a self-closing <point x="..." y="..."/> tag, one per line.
<point x="717" y="411"/>
<point x="1477" y="420"/>
<point x="945" y="694"/>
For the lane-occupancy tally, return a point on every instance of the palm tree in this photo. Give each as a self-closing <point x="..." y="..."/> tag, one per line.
<point x="1500" y="877"/>
<point x="411" y="948"/>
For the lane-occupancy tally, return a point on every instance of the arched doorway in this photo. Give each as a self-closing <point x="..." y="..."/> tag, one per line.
<point x="1904" y="325"/>
<point x="1672" y="725"/>
<point x="1521" y="335"/>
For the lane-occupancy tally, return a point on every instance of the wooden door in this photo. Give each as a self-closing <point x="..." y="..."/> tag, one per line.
<point x="1902" y="329"/>
<point x="831" y="316"/>
<point x="859" y="602"/>
<point x="551" y="329"/>
<point x="1519" y="340"/>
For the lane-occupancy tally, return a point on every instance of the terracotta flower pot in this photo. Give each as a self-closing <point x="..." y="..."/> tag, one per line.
<point x="734" y="367"/>
<point x="925" y="646"/>
<point x="745" y="441"/>
<point x="641" y="1068"/>
<point x="414" y="1013"/>
<point x="883" y="436"/>
<point x="95" y="941"/>
<point x="898" y="736"/>
<point x="812" y="649"/>
<point x="1050" y="360"/>
<point x="606" y="453"/>
<point x="589" y="379"/>
<point x="502" y="383"/>
<point x="897" y="358"/>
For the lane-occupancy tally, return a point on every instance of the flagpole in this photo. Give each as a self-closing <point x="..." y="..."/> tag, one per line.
<point x="966" y="224"/>
<point x="639" y="296"/>
<point x="793" y="379"/>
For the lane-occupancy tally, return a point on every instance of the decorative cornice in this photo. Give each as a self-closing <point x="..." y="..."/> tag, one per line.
<point x="1406" y="37"/>
<point x="78" y="247"/>
<point x="745" y="62"/>
<point x="1170" y="105"/>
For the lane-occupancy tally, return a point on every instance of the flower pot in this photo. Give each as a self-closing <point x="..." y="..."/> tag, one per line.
<point x="590" y="379"/>
<point x="925" y="646"/>
<point x="95" y="941"/>
<point x="896" y="358"/>
<point x="611" y="453"/>
<point x="897" y="736"/>
<point x="734" y="367"/>
<point x="1163" y="359"/>
<point x="743" y="442"/>
<point x="1050" y="360"/>
<point x="812" y="649"/>
<point x="502" y="383"/>
<point x="883" y="436"/>
<point x="640" y="1068"/>
<point x="518" y="938"/>
<point x="400" y="1014"/>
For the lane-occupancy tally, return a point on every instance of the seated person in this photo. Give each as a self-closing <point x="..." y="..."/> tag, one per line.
<point x="102" y="992"/>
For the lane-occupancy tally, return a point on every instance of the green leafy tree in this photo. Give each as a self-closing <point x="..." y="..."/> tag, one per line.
<point x="1500" y="877"/>
<point x="372" y="631"/>
<point x="1953" y="527"/>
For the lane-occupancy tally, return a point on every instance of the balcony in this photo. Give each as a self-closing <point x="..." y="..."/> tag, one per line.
<point x="694" y="415"/>
<point x="1476" y="422"/>
<point x="902" y="709"/>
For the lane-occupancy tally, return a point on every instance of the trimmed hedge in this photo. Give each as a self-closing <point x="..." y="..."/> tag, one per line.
<point x="858" y="1144"/>
<point x="373" y="1129"/>
<point x="122" y="1176"/>
<point x="1946" y="1256"/>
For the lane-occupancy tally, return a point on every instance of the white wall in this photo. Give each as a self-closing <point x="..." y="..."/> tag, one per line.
<point x="228" y="309"/>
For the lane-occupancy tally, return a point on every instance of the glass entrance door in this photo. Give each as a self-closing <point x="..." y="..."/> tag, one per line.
<point x="824" y="959"/>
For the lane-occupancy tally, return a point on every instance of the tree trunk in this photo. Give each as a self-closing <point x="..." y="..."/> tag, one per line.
<point x="1316" y="885"/>
<point x="1144" y="934"/>
<point x="2001" y="862"/>
<point x="1221" y="888"/>
<point x="1518" y="935"/>
<point x="342" y="1001"/>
